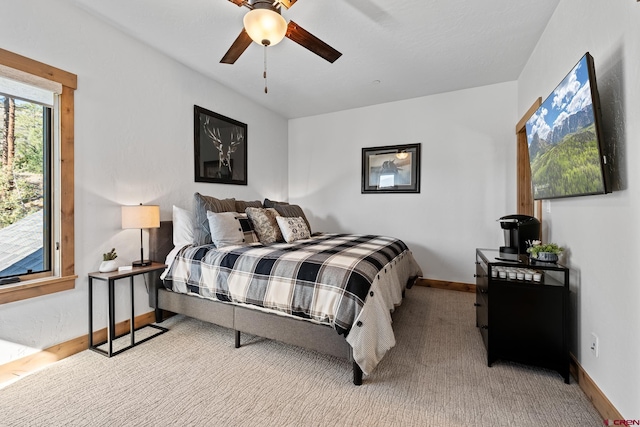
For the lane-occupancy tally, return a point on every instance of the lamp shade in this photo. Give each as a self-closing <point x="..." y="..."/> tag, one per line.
<point x="141" y="216"/>
<point x="265" y="26"/>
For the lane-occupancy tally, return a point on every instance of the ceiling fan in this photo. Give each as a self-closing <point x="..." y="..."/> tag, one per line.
<point x="265" y="25"/>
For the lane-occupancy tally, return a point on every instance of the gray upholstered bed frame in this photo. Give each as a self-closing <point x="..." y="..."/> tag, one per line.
<point x="302" y="333"/>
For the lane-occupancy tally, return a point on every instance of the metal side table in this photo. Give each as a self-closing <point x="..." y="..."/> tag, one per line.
<point x="111" y="278"/>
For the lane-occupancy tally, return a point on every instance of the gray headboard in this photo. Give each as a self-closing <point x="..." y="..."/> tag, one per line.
<point x="160" y="244"/>
<point x="160" y="241"/>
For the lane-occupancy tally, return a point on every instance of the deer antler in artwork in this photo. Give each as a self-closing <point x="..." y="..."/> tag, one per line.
<point x="237" y="138"/>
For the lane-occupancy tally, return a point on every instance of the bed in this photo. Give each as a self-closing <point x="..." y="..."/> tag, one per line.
<point x="332" y="293"/>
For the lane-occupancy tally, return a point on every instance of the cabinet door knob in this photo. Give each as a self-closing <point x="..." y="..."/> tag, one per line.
<point x="484" y="327"/>
<point x="475" y="304"/>
<point x="484" y="291"/>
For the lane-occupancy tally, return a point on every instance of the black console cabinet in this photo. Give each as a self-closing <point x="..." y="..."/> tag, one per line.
<point x="522" y="311"/>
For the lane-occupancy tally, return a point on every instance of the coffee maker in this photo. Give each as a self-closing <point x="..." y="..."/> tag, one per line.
<point x="517" y="230"/>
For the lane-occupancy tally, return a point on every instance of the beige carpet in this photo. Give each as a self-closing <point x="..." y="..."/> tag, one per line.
<point x="193" y="376"/>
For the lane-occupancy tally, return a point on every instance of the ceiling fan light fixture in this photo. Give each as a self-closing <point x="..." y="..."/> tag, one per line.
<point x="265" y="26"/>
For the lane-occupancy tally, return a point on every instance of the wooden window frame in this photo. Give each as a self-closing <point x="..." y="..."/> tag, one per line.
<point x="65" y="279"/>
<point x="526" y="205"/>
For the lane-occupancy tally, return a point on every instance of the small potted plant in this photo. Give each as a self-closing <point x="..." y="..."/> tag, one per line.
<point x="548" y="252"/>
<point x="108" y="261"/>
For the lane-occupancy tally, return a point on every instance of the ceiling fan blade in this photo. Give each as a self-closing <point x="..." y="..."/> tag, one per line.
<point x="237" y="2"/>
<point x="237" y="48"/>
<point x="311" y="42"/>
<point x="287" y="3"/>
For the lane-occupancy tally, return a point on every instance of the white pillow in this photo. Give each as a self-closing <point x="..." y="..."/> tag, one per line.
<point x="182" y="227"/>
<point x="293" y="228"/>
<point x="225" y="228"/>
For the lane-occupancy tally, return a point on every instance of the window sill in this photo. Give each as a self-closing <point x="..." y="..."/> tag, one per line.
<point x="35" y="288"/>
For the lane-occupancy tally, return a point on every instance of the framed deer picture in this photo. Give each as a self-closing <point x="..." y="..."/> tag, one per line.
<point x="391" y="169"/>
<point x="220" y="148"/>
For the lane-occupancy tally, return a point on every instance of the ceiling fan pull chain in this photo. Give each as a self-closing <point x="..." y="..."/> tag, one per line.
<point x="265" y="69"/>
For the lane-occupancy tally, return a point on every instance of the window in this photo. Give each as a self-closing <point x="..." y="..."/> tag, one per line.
<point x="26" y="172"/>
<point x="52" y="122"/>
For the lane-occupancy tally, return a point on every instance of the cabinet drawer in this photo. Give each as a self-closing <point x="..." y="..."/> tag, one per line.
<point x="482" y="278"/>
<point x="482" y="317"/>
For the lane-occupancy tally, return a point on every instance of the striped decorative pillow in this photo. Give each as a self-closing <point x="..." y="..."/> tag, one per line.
<point x="202" y="204"/>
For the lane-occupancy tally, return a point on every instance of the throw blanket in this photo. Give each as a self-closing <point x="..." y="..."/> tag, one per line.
<point x="325" y="278"/>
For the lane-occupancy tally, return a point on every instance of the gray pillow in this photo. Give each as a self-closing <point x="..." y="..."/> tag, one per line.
<point x="272" y="204"/>
<point x="241" y="205"/>
<point x="202" y="204"/>
<point x="294" y="211"/>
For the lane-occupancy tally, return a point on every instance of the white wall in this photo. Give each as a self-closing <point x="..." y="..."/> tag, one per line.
<point x="601" y="232"/>
<point x="467" y="176"/>
<point x="133" y="144"/>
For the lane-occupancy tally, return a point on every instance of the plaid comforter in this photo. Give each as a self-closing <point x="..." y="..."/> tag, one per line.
<point x="325" y="278"/>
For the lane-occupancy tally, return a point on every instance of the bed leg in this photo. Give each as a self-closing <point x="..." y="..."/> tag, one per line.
<point x="158" y="315"/>
<point x="412" y="281"/>
<point x="237" y="334"/>
<point x="357" y="374"/>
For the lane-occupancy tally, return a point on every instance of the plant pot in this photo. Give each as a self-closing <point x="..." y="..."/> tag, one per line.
<point x="107" y="266"/>
<point x="547" y="257"/>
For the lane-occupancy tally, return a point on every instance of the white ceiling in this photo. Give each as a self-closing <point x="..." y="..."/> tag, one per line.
<point x="391" y="50"/>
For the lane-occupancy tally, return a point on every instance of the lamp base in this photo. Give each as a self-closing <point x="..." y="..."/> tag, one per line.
<point x="141" y="263"/>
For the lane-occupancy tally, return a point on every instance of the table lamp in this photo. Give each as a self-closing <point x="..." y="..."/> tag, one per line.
<point x="141" y="216"/>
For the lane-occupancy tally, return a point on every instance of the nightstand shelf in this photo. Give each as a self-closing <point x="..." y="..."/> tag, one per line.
<point x="111" y="279"/>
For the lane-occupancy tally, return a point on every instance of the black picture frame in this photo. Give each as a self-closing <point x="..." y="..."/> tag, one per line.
<point x="220" y="148"/>
<point x="391" y="169"/>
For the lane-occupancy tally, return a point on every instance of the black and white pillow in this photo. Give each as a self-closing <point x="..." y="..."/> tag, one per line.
<point x="250" y="235"/>
<point x="293" y="228"/>
<point x="230" y="228"/>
